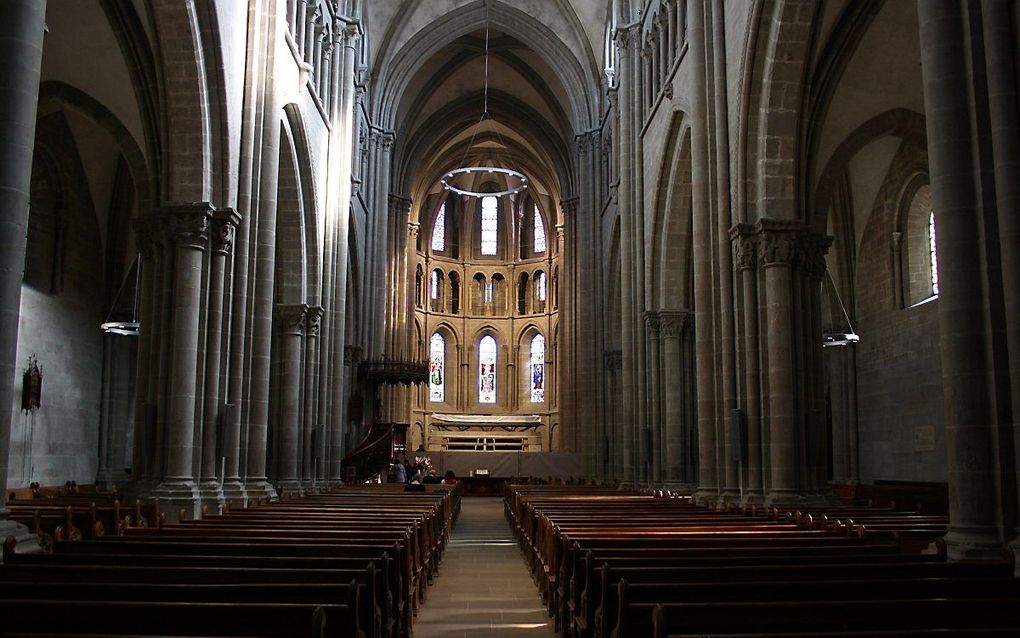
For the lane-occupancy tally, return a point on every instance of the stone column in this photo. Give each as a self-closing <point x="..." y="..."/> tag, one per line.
<point x="224" y="222"/>
<point x="147" y="263"/>
<point x="778" y="250"/>
<point x="956" y="150"/>
<point x="21" y="40"/>
<point x="188" y="227"/>
<point x="654" y="387"/>
<point x="291" y="322"/>
<point x="672" y="395"/>
<point x="747" y="257"/>
<point x="704" y="265"/>
<point x="1004" y="102"/>
<point x="627" y="43"/>
<point x="313" y="466"/>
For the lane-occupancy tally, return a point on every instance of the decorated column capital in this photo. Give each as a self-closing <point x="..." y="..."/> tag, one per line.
<point x="292" y="318"/>
<point x="674" y="322"/>
<point x="652" y="324"/>
<point x="613" y="359"/>
<point x="313" y="321"/>
<point x="814" y="247"/>
<point x="187" y="225"/>
<point x="745" y="246"/>
<point x="779" y="242"/>
<point x="145" y="239"/>
<point x="352" y="355"/>
<point x="224" y="223"/>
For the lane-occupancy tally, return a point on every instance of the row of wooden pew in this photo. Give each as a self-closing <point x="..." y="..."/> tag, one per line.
<point x="621" y="564"/>
<point x="354" y="562"/>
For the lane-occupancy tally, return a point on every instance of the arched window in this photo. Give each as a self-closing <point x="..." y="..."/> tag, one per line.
<point x="437" y="367"/>
<point x="488" y="291"/>
<point x="539" y="232"/>
<point x="418" y="277"/>
<point x="490" y="225"/>
<point x="932" y="249"/>
<point x="434" y="285"/>
<point x="538" y="369"/>
<point x="487" y="370"/>
<point x="439" y="230"/>
<point x="540" y="286"/>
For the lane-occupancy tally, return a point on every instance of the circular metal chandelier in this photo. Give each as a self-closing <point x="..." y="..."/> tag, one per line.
<point x="472" y="170"/>
<point x="448" y="179"/>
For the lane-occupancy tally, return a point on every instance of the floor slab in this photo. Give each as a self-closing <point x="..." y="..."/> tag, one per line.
<point x="483" y="587"/>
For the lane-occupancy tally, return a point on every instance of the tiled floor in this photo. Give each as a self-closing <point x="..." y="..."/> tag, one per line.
<point x="483" y="588"/>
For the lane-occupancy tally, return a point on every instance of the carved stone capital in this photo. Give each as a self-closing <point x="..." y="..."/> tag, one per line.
<point x="144" y="237"/>
<point x="313" y="321"/>
<point x="291" y="318"/>
<point x="652" y="323"/>
<point x="675" y="322"/>
<point x="814" y="247"/>
<point x="413" y="228"/>
<point x="224" y="223"/>
<point x="745" y="246"/>
<point x="351" y="35"/>
<point x="352" y="355"/>
<point x="779" y="241"/>
<point x="187" y="225"/>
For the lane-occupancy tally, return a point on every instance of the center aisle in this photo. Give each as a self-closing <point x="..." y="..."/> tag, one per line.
<point x="483" y="588"/>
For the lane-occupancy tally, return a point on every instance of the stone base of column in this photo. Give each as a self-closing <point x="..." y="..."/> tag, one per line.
<point x="234" y="492"/>
<point x="25" y="542"/>
<point x="211" y="495"/>
<point x="784" y="497"/>
<point x="964" y="545"/>
<point x="706" y="495"/>
<point x="1015" y="547"/>
<point x="104" y="480"/>
<point x="753" y="498"/>
<point x="177" y="496"/>
<point x="823" y="498"/>
<point x="260" y="488"/>
<point x="729" y="495"/>
<point x="290" y="488"/>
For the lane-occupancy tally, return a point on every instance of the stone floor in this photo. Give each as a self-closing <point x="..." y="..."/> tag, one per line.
<point x="483" y="587"/>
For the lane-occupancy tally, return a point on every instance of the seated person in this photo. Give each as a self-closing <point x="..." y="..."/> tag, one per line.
<point x="414" y="486"/>
<point x="449" y="478"/>
<point x="432" y="478"/>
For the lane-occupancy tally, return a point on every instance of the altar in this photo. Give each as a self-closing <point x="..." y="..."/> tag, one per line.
<point x="561" y="465"/>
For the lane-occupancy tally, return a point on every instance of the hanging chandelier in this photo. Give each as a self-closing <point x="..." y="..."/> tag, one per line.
<point x="516" y="181"/>
<point x="125" y="328"/>
<point x="835" y="339"/>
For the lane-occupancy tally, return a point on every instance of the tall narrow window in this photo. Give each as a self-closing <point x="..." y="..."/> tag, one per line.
<point x="934" y="256"/>
<point x="488" y="291"/>
<point x="439" y="230"/>
<point x="539" y="232"/>
<point x="540" y="286"/>
<point x="538" y="369"/>
<point x="437" y="368"/>
<point x="490" y="225"/>
<point x="434" y="285"/>
<point x="487" y="370"/>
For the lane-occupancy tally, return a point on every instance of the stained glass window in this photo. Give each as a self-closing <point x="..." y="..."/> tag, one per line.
<point x="437" y="367"/>
<point x="490" y="224"/>
<point x="487" y="370"/>
<point x="540" y="286"/>
<point x="439" y="230"/>
<point x="539" y="232"/>
<point x="538" y="369"/>
<point x="934" y="256"/>
<point x="434" y="285"/>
